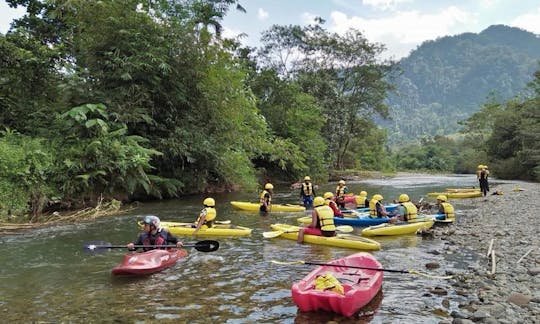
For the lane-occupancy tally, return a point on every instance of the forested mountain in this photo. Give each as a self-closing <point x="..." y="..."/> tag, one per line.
<point x="447" y="80"/>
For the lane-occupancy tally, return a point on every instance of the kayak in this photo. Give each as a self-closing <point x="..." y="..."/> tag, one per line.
<point x="462" y="189"/>
<point x="441" y="218"/>
<point x="340" y="240"/>
<point x="216" y="229"/>
<point x="148" y="262"/>
<point x="389" y="208"/>
<point x="470" y="194"/>
<point x="351" y="219"/>
<point x="397" y="229"/>
<point x="250" y="206"/>
<point x="360" y="286"/>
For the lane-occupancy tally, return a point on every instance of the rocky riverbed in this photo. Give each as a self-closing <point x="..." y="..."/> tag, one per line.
<point x="502" y="284"/>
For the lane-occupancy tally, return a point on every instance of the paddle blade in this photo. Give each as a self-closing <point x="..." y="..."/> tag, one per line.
<point x="96" y="246"/>
<point x="207" y="246"/>
<point x="345" y="228"/>
<point x="224" y="222"/>
<point x="272" y="234"/>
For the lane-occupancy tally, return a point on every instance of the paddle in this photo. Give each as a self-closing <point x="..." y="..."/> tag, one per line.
<point x="359" y="267"/>
<point x="203" y="246"/>
<point x="272" y="234"/>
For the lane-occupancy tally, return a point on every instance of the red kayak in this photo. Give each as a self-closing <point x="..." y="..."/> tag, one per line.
<point x="148" y="262"/>
<point x="357" y="286"/>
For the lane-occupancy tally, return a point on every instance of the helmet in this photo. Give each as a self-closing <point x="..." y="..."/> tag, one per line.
<point x="480" y="166"/>
<point x="378" y="197"/>
<point x="403" y="198"/>
<point x="268" y="186"/>
<point x="441" y="198"/>
<point x="342" y="182"/>
<point x="307" y="178"/>
<point x="328" y="195"/>
<point x="363" y="193"/>
<point x="318" y="201"/>
<point x="485" y="167"/>
<point x="210" y="202"/>
<point x="152" y="220"/>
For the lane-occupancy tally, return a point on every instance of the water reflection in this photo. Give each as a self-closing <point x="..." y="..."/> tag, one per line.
<point x="46" y="276"/>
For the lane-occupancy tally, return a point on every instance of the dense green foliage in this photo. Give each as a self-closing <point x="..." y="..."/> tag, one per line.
<point x="446" y="80"/>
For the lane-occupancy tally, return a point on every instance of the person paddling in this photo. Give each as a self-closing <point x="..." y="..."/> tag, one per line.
<point x="322" y="221"/>
<point x="207" y="215"/>
<point x="153" y="235"/>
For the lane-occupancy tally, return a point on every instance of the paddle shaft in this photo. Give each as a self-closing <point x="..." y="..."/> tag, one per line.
<point x="355" y="267"/>
<point x="139" y="246"/>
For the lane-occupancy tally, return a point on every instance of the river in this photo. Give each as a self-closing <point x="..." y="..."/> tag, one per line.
<point x="47" y="277"/>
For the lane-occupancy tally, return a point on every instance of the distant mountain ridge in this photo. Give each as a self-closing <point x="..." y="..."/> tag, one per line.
<point x="446" y="80"/>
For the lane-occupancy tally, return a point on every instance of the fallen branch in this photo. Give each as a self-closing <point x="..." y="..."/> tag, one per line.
<point x="493" y="264"/>
<point x="490" y="249"/>
<point x="525" y="255"/>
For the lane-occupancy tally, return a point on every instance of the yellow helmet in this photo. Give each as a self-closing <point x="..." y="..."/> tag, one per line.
<point x="210" y="202"/>
<point x="342" y="182"/>
<point x="268" y="186"/>
<point x="307" y="178"/>
<point x="485" y="167"/>
<point x="480" y="166"/>
<point x="403" y="198"/>
<point x="363" y="193"/>
<point x="378" y="197"/>
<point x="442" y="198"/>
<point x="328" y="195"/>
<point x="318" y="201"/>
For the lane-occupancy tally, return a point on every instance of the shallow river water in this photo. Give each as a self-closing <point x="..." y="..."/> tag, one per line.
<point x="46" y="277"/>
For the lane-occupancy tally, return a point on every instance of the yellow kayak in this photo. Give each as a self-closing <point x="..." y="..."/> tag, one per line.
<point x="396" y="229"/>
<point x="470" y="194"/>
<point x="242" y="205"/>
<point x="216" y="230"/>
<point x="462" y="189"/>
<point x="341" y="240"/>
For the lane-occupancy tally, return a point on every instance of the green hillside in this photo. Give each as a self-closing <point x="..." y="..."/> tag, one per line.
<point x="447" y="80"/>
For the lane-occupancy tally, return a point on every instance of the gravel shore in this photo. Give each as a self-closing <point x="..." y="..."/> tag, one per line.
<point x="505" y="229"/>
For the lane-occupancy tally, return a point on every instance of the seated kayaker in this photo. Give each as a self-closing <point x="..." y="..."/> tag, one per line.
<point x="341" y="191"/>
<point x="207" y="215"/>
<point x="362" y="200"/>
<point x="407" y="210"/>
<point x="329" y="201"/>
<point x="153" y="235"/>
<point x="265" y="198"/>
<point x="322" y="221"/>
<point x="445" y="207"/>
<point x="376" y="207"/>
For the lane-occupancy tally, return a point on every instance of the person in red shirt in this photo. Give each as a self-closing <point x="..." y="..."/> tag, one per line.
<point x="329" y="201"/>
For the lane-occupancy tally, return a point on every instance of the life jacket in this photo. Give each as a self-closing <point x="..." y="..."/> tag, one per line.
<point x="307" y="188"/>
<point x="341" y="191"/>
<point x="209" y="214"/>
<point x="160" y="238"/>
<point x="328" y="282"/>
<point x="360" y="201"/>
<point x="448" y="210"/>
<point x="325" y="215"/>
<point x="263" y="193"/>
<point x="373" y="208"/>
<point x="411" y="212"/>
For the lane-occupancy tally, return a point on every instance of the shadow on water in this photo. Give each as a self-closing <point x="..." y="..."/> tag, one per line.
<point x="47" y="277"/>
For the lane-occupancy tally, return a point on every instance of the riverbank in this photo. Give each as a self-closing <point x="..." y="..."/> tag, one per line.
<point x="503" y="284"/>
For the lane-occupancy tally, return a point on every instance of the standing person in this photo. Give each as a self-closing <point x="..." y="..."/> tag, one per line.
<point x="307" y="192"/>
<point x="341" y="191"/>
<point x="207" y="215"/>
<point x="362" y="200"/>
<point x="407" y="210"/>
<point x="483" y="174"/>
<point x="329" y="201"/>
<point x="266" y="198"/>
<point x="322" y="221"/>
<point x="445" y="207"/>
<point x="153" y="234"/>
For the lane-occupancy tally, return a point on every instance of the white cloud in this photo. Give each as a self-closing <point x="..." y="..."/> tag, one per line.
<point x="529" y="21"/>
<point x="384" y="4"/>
<point x="307" y="18"/>
<point x="261" y="14"/>
<point x="7" y="14"/>
<point x="404" y="29"/>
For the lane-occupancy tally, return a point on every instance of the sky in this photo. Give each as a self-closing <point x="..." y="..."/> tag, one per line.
<point x="401" y="25"/>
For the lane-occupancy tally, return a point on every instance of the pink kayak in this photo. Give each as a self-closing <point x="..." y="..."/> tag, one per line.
<point x="359" y="285"/>
<point x="148" y="262"/>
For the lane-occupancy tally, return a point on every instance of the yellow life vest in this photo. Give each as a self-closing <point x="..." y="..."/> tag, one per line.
<point x="329" y="282"/>
<point x="326" y="218"/>
<point x="341" y="191"/>
<point x="373" y="208"/>
<point x="448" y="210"/>
<point x="360" y="200"/>
<point x="263" y="193"/>
<point x="209" y="214"/>
<point x="411" y="212"/>
<point x="308" y="189"/>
